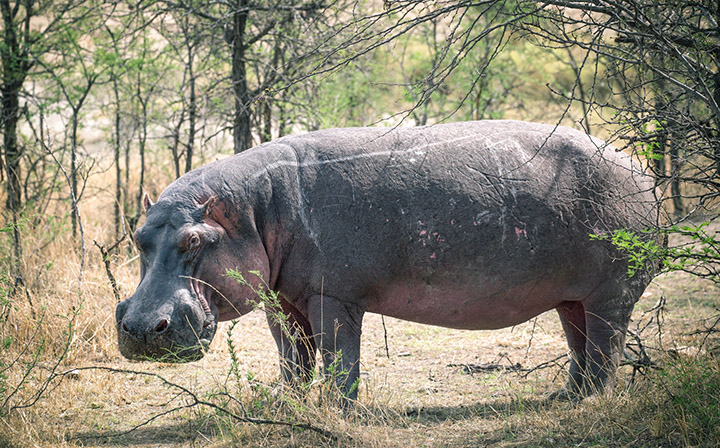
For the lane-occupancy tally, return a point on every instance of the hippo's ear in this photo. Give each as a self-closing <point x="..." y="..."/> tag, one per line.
<point x="208" y="206"/>
<point x="147" y="202"/>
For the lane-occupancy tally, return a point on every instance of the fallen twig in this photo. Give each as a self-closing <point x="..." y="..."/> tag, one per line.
<point x="488" y="367"/>
<point x="546" y="364"/>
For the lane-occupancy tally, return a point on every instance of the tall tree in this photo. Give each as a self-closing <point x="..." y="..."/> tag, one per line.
<point x="260" y="35"/>
<point x="25" y="41"/>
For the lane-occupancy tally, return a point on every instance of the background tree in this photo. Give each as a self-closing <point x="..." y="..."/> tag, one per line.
<point x="271" y="44"/>
<point x="25" y="42"/>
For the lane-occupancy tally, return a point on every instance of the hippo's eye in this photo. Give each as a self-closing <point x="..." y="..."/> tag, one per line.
<point x="194" y="241"/>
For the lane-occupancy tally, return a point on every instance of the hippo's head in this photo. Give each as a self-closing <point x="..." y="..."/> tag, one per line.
<point x="173" y="314"/>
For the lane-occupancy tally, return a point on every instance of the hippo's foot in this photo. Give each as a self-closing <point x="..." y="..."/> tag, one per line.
<point x="569" y="394"/>
<point x="580" y="387"/>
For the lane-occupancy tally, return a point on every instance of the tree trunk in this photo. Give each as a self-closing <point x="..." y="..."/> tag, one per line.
<point x="73" y="171"/>
<point x="675" y="192"/>
<point x="281" y="119"/>
<point x="716" y="98"/>
<point x="242" y="127"/>
<point x="12" y="154"/>
<point x="126" y="184"/>
<point x="175" y="144"/>
<point x="73" y="152"/>
<point x="266" y="134"/>
<point x="116" y="158"/>
<point x="192" y="112"/>
<point x="15" y="68"/>
<point x="141" y="149"/>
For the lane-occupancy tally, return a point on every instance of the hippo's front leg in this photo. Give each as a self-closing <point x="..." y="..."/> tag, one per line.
<point x="337" y="326"/>
<point x="294" y="338"/>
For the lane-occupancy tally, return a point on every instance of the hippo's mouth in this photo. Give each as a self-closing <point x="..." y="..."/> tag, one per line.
<point x="207" y="332"/>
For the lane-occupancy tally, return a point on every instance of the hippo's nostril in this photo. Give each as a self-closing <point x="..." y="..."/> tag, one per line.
<point x="161" y="326"/>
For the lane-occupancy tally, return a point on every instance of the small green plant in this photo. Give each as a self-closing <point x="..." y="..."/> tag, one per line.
<point x="698" y="252"/>
<point x="268" y="299"/>
<point x="234" y="371"/>
<point x="650" y="149"/>
<point x="641" y="250"/>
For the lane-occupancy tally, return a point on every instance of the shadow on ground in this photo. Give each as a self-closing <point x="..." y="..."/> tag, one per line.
<point x="498" y="408"/>
<point x="163" y="434"/>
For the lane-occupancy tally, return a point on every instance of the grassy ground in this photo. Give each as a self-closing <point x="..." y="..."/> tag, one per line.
<point x="416" y="391"/>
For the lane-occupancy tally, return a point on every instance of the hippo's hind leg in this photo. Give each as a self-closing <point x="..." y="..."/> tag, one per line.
<point x="337" y="326"/>
<point x="572" y="318"/>
<point x="606" y="324"/>
<point x="595" y="331"/>
<point x="294" y="338"/>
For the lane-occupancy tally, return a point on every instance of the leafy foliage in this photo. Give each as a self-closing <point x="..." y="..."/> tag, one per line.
<point x="698" y="253"/>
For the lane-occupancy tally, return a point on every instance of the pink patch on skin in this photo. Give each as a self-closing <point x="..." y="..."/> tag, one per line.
<point x="519" y="231"/>
<point x="433" y="255"/>
<point x="311" y="210"/>
<point x="423" y="232"/>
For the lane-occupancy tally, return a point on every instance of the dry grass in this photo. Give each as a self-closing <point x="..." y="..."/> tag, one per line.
<point x="411" y="398"/>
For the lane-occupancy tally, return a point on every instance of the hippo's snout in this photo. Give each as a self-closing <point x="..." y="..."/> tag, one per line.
<point x="133" y="330"/>
<point x="173" y="332"/>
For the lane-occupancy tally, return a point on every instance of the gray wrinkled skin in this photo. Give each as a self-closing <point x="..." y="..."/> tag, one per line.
<point x="472" y="225"/>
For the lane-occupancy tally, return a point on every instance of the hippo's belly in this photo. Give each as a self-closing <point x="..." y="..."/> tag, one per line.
<point x="472" y="308"/>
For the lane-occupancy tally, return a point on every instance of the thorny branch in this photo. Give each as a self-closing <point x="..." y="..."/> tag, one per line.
<point x="708" y="330"/>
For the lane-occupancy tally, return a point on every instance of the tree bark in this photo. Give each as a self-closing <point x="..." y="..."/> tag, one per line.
<point x="242" y="126"/>
<point x="15" y="69"/>
<point x="675" y="191"/>
<point x="266" y="134"/>
<point x="192" y="112"/>
<point x="116" y="158"/>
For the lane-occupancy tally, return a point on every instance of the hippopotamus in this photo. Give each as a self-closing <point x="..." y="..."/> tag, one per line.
<point x="472" y="225"/>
